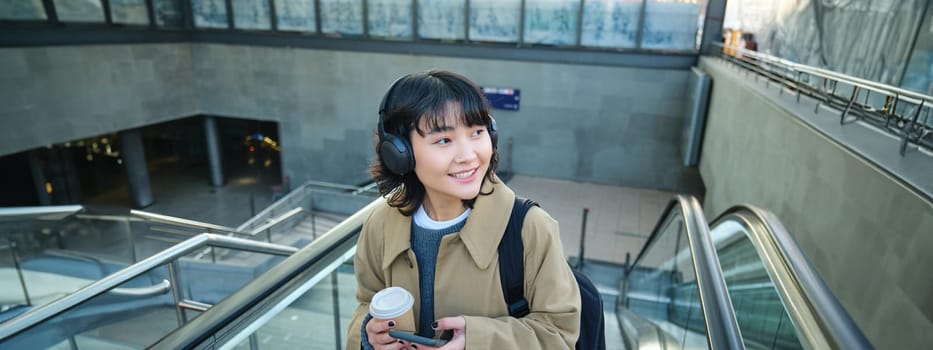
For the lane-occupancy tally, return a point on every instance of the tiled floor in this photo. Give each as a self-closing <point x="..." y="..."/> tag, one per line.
<point x="619" y="220"/>
<point x="186" y="193"/>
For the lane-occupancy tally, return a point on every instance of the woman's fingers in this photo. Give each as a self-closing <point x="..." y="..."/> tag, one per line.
<point x="378" y="333"/>
<point x="453" y="323"/>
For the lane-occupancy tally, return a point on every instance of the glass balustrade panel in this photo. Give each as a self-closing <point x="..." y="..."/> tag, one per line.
<point x="759" y="311"/>
<point x="662" y="288"/>
<point x="308" y="320"/>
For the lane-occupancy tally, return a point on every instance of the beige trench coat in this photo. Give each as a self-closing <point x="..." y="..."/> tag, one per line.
<point x="467" y="276"/>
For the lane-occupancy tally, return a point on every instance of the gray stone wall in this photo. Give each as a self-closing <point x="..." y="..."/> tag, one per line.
<point x="56" y="94"/>
<point x="867" y="235"/>
<point x="602" y="124"/>
<point x="609" y="125"/>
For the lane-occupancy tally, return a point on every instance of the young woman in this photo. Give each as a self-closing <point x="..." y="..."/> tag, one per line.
<point x="438" y="234"/>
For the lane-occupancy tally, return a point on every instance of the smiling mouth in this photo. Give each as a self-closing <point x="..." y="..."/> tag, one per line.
<point x="464" y="175"/>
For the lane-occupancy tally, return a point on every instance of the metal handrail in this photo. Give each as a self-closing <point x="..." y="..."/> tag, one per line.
<point x="889" y="90"/>
<point x="280" y="279"/>
<point x="721" y="324"/>
<point x="277" y="220"/>
<point x="41" y="213"/>
<point x="159" y="288"/>
<point x="811" y="305"/>
<point x="43" y="313"/>
<point x="183" y="222"/>
<point x="293" y="196"/>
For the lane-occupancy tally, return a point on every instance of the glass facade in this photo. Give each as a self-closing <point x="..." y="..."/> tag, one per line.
<point x="168" y="13"/>
<point x="551" y="22"/>
<point x="495" y="20"/>
<point x="129" y="12"/>
<point x="390" y="19"/>
<point x="342" y="16"/>
<point x="209" y="13"/>
<point x="22" y="10"/>
<point x="670" y="25"/>
<point x="251" y="14"/>
<point x="442" y="19"/>
<point x="296" y="15"/>
<point x="79" y="11"/>
<point x="611" y="23"/>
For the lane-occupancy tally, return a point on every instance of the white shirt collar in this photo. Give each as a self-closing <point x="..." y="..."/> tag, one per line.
<point x="422" y="219"/>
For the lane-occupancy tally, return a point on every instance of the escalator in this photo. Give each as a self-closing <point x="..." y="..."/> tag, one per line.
<point x="742" y="284"/>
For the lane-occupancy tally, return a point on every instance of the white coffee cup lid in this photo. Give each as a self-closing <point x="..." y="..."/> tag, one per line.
<point x="390" y="303"/>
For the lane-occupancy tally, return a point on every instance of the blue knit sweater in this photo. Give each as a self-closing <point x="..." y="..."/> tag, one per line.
<point x="425" y="243"/>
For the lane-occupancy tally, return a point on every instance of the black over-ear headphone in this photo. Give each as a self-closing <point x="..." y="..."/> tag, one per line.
<point x="395" y="150"/>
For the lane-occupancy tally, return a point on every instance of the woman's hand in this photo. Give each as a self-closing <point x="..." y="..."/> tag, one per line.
<point x="379" y="338"/>
<point x="455" y="324"/>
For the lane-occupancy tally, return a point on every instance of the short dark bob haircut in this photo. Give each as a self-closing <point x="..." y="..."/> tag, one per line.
<point x="426" y="95"/>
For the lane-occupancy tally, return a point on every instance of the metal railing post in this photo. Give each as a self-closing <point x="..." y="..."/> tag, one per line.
<point x="586" y="212"/>
<point x="253" y="342"/>
<point x="336" y="299"/>
<point x="19" y="271"/>
<point x="132" y="239"/>
<point x="176" y="293"/>
<point x="213" y="255"/>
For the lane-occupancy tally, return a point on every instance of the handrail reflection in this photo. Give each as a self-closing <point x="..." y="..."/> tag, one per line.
<point x="820" y="318"/>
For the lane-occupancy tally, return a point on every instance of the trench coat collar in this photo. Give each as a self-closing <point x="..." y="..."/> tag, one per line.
<point x="481" y="233"/>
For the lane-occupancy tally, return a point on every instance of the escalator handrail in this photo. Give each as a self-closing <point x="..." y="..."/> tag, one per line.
<point x="721" y="324"/>
<point x="830" y="315"/>
<point x="242" y="300"/>
<point x="43" y="313"/>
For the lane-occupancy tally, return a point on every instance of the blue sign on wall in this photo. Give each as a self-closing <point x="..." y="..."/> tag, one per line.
<point x="503" y="98"/>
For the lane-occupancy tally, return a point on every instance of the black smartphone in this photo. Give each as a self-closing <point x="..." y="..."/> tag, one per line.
<point x="412" y="337"/>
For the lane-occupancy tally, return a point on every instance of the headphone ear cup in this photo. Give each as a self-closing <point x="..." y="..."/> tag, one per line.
<point x="494" y="134"/>
<point x="397" y="155"/>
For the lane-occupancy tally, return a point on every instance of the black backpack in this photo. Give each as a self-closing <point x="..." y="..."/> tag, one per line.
<point x="512" y="272"/>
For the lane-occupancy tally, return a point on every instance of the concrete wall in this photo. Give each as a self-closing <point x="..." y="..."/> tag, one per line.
<point x="868" y="236"/>
<point x="57" y="94"/>
<point x="598" y="124"/>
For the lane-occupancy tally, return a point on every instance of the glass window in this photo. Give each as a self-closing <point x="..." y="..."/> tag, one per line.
<point x="441" y="19"/>
<point x="551" y="22"/>
<point x="495" y="20"/>
<point x="342" y="16"/>
<point x="297" y="15"/>
<point x="79" y="11"/>
<point x="22" y="9"/>
<point x="210" y="13"/>
<point x="251" y="14"/>
<point x="610" y="23"/>
<point x="129" y="11"/>
<point x="919" y="72"/>
<point x="168" y="13"/>
<point x="671" y="25"/>
<point x="390" y="18"/>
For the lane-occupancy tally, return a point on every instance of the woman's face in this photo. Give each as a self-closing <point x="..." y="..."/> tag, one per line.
<point x="451" y="161"/>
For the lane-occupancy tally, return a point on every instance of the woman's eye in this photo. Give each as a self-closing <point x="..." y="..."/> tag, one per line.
<point x="478" y="132"/>
<point x="442" y="141"/>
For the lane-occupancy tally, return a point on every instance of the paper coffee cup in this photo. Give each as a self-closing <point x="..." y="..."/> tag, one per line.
<point x="394" y="303"/>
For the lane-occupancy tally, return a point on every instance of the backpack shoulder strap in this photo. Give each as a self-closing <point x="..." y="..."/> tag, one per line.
<point x="511" y="259"/>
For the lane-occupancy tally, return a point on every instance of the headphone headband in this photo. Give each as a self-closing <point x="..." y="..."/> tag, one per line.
<point x="395" y="151"/>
